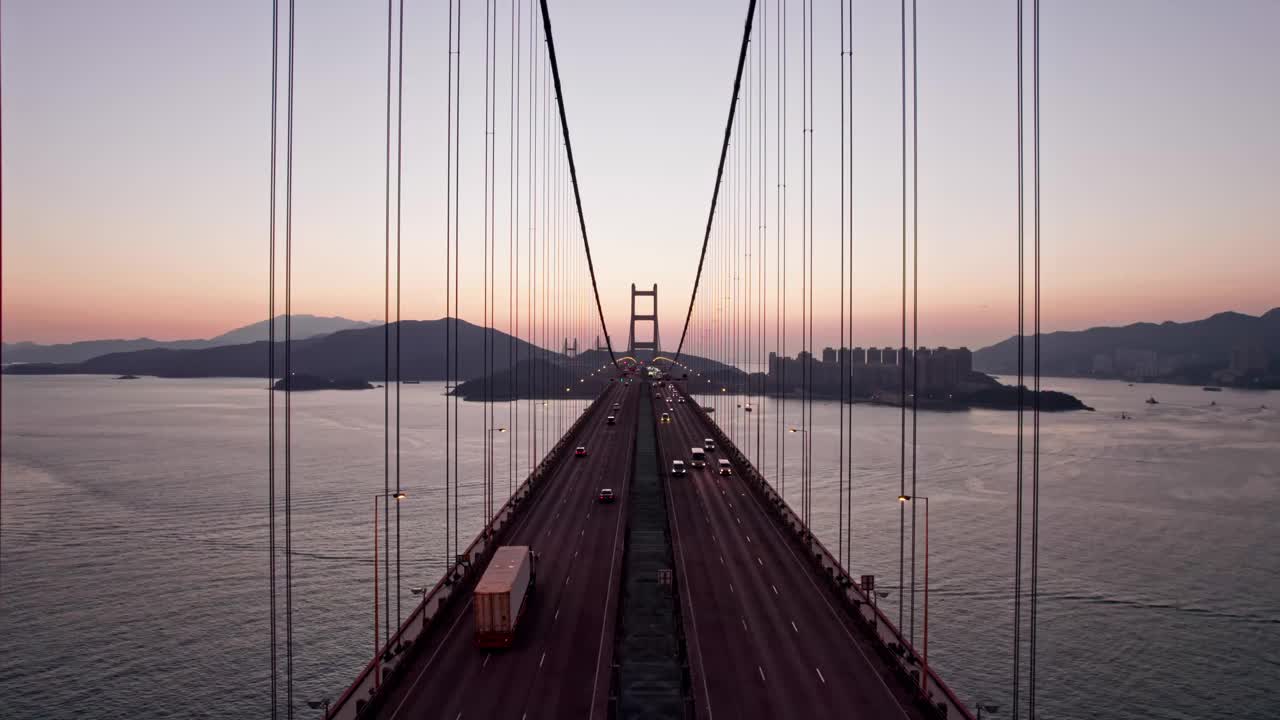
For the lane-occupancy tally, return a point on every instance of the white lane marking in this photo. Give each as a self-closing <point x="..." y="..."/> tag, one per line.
<point x="575" y="553"/>
<point x="721" y="559"/>
<point x="486" y="659"/>
<point x="793" y="626"/>
<point x="544" y="659"/>
<point x="730" y="587"/>
<point x="459" y="717"/>
<point x="748" y="538"/>
<point x="431" y="659"/>
<point x="759" y="561"/>
<point x="588" y="516"/>
<point x="819" y="593"/>
<point x="819" y="671"/>
<point x="761" y="671"/>
<point x="739" y="520"/>
<point x="567" y="579"/>
<point x="744" y="623"/>
<point x="548" y="532"/>
<point x="775" y="588"/>
<point x="557" y="617"/>
<point x="580" y="532"/>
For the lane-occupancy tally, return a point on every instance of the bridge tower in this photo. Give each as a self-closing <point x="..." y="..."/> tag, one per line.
<point x="632" y="345"/>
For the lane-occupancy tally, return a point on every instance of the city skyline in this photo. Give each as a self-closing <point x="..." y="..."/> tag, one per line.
<point x="151" y="221"/>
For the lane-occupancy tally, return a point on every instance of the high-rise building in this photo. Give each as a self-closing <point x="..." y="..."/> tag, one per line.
<point x="829" y="355"/>
<point x="889" y="356"/>
<point x="858" y="356"/>
<point x="873" y="356"/>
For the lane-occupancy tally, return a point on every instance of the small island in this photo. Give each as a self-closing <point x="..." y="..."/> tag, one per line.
<point x="300" y="382"/>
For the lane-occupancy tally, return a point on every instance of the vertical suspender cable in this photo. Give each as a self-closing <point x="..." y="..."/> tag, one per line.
<point x="808" y="436"/>
<point x="487" y="435"/>
<point x="457" y="274"/>
<point x="573" y="171"/>
<point x="271" y="355"/>
<point x="386" y="350"/>
<point x="1017" y="568"/>
<point x="399" y="324"/>
<point x="849" y="469"/>
<point x="780" y="267"/>
<point x="513" y="321"/>
<point x="902" y="400"/>
<point x="1035" y="413"/>
<point x="288" y="383"/>
<point x="915" y="297"/>
<point x="844" y="353"/>
<point x="805" y="350"/>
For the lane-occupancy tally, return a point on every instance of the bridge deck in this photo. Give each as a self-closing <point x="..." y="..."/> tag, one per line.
<point x="559" y="667"/>
<point x="765" y="638"/>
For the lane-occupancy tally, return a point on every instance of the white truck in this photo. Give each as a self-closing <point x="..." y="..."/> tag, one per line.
<point x="502" y="595"/>
<point x="698" y="457"/>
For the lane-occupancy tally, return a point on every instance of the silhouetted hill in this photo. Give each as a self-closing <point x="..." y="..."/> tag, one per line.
<point x="345" y="354"/>
<point x="304" y="326"/>
<point x="1190" y="350"/>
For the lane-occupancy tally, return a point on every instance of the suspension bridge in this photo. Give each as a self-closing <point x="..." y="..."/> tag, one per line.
<point x="698" y="591"/>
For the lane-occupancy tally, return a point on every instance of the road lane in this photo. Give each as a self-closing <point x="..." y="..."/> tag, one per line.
<point x="814" y="662"/>
<point x="452" y="678"/>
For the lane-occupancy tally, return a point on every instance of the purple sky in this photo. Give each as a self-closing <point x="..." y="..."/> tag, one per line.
<point x="135" y="160"/>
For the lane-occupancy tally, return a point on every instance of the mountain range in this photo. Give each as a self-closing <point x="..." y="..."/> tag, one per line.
<point x="355" y="353"/>
<point x="1176" y="352"/>
<point x="303" y="326"/>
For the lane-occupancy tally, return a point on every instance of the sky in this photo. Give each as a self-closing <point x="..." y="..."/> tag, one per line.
<point x="135" y="138"/>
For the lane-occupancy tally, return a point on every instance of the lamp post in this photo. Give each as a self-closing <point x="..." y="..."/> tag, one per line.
<point x="397" y="496"/>
<point x="924" y="678"/>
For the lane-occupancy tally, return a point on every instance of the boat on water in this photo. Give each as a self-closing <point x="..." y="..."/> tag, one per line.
<point x="1211" y="388"/>
<point x="1152" y="401"/>
<point x="747" y="408"/>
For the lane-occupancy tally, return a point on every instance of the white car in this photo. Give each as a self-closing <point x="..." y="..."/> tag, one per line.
<point x="678" y="468"/>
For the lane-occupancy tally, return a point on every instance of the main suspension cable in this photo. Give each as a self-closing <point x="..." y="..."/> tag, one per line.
<point x="573" y="172"/>
<point x="724" y="150"/>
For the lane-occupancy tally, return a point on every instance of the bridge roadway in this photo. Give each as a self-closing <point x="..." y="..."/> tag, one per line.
<point x="560" y="664"/>
<point x="765" y="638"/>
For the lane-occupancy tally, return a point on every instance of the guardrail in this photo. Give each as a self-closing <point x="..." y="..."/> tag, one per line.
<point x="369" y="686"/>
<point x="932" y="694"/>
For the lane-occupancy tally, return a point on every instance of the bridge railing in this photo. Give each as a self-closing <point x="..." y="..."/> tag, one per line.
<point x="393" y="656"/>
<point x="893" y="647"/>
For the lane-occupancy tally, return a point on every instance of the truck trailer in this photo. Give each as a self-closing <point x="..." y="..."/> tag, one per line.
<point x="502" y="595"/>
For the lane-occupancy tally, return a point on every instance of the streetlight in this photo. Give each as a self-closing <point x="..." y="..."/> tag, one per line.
<point x="397" y="496"/>
<point x="924" y="680"/>
<point x="318" y="704"/>
<point x="989" y="708"/>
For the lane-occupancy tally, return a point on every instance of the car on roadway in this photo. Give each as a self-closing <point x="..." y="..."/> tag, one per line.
<point x="611" y="420"/>
<point x="605" y="496"/>
<point x="617" y="406"/>
<point x="580" y="452"/>
<point x="697" y="458"/>
<point x="709" y="445"/>
<point x="680" y="399"/>
<point x="666" y="418"/>
<point x="678" y="469"/>
<point x="725" y="467"/>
